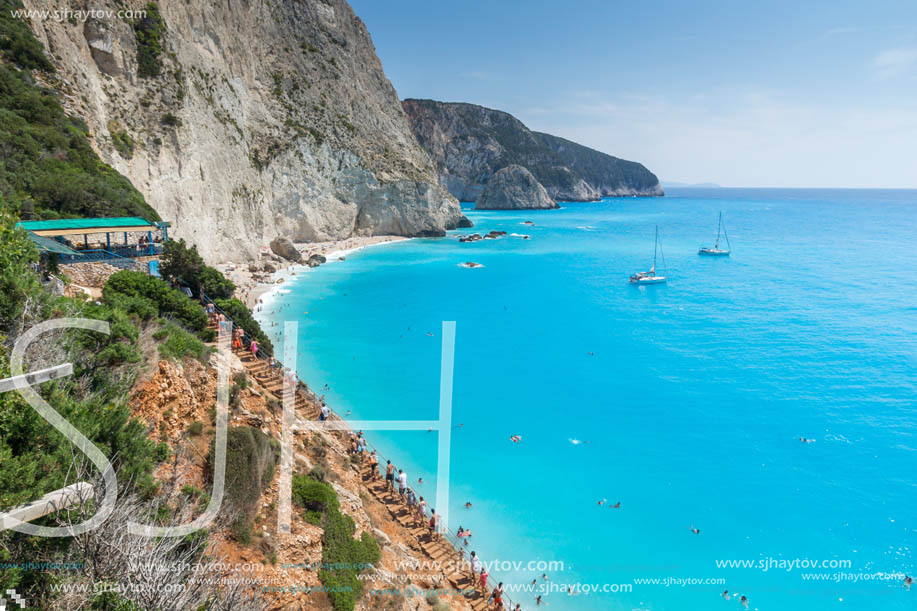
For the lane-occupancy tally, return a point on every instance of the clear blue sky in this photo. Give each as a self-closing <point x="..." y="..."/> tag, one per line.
<point x="779" y="93"/>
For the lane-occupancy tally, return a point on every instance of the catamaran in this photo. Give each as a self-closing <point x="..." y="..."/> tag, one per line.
<point x="716" y="251"/>
<point x="650" y="277"/>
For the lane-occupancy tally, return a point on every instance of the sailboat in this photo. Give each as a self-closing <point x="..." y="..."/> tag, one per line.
<point x="650" y="277"/>
<point x="716" y="251"/>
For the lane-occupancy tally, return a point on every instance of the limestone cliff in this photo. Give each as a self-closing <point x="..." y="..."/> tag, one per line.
<point x="514" y="188"/>
<point x="470" y="143"/>
<point x="243" y="121"/>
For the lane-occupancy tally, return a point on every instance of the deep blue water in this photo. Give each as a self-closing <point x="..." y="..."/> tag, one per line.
<point x="693" y="402"/>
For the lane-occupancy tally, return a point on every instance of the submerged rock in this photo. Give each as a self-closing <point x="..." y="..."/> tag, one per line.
<point x="316" y="260"/>
<point x="514" y="188"/>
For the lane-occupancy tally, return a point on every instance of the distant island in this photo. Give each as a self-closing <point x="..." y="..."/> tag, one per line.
<point x="470" y="144"/>
<point x="668" y="184"/>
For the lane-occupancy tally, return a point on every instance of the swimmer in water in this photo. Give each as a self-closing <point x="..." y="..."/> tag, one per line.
<point x="696" y="531"/>
<point x="744" y="601"/>
<point x="616" y="505"/>
<point x="419" y="480"/>
<point x="468" y="505"/>
<point x="602" y="502"/>
<point x="908" y="582"/>
<point x="726" y="595"/>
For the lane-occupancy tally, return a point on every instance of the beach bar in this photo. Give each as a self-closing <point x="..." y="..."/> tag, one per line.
<point x="120" y="241"/>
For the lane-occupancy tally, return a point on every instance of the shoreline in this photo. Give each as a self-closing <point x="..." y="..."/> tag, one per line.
<point x="259" y="288"/>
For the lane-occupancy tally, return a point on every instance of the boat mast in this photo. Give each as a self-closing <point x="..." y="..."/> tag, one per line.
<point x="718" y="225"/>
<point x="655" y="244"/>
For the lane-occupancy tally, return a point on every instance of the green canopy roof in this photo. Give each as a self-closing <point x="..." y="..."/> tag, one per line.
<point x="120" y="221"/>
<point x="49" y="245"/>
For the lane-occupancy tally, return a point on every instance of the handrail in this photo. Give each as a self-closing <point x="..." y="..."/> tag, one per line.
<point x="71" y="259"/>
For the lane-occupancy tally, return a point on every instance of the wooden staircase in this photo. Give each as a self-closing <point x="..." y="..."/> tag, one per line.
<point x="271" y="379"/>
<point x="433" y="545"/>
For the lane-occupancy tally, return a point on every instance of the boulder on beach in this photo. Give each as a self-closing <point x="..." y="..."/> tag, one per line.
<point x="514" y="188"/>
<point x="283" y="247"/>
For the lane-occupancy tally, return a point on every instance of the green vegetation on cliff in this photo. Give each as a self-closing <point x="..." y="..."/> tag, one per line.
<point x="47" y="167"/>
<point x="149" y="32"/>
<point x="343" y="557"/>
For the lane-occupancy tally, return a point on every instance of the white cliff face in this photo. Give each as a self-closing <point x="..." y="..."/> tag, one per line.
<point x="267" y="119"/>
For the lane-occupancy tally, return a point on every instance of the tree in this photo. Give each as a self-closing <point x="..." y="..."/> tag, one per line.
<point x="184" y="264"/>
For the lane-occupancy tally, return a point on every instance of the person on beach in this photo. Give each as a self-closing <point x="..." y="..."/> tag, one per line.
<point x="325" y="412"/>
<point x="483" y="580"/>
<point x="361" y="445"/>
<point x="410" y="499"/>
<point x="254" y="348"/>
<point x="210" y="311"/>
<point x="402" y="482"/>
<point x="389" y="475"/>
<point x="237" y="338"/>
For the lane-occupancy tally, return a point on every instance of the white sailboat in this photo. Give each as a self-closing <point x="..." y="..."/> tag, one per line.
<point x="650" y="277"/>
<point x="716" y="251"/>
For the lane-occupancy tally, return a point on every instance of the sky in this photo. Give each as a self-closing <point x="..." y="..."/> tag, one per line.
<point x="747" y="94"/>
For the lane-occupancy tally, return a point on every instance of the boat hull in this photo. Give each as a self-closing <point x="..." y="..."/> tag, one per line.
<point x="713" y="252"/>
<point x="648" y="280"/>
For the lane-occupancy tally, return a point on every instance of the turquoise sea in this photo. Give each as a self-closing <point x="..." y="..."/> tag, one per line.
<point x="688" y="398"/>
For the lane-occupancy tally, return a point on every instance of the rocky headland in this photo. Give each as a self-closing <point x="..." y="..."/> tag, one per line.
<point x="469" y="144"/>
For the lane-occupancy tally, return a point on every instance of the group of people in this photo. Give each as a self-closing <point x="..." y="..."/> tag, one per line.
<point x="238" y="333"/>
<point x="424" y="516"/>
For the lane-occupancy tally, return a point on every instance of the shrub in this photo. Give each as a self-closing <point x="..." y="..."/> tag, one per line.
<point x="313" y="495"/>
<point x="154" y="291"/>
<point x="17" y="283"/>
<point x="196" y="428"/>
<point x="340" y="549"/>
<point x="183" y="263"/>
<point x="250" y="460"/>
<point x="179" y="343"/>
